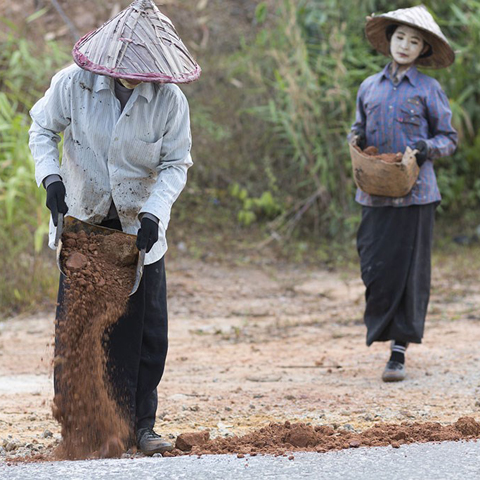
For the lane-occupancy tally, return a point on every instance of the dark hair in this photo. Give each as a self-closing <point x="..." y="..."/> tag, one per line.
<point x="390" y="30"/>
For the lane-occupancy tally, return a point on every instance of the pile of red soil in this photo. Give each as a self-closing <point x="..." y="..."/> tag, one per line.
<point x="97" y="284"/>
<point x="386" y="157"/>
<point x="280" y="439"/>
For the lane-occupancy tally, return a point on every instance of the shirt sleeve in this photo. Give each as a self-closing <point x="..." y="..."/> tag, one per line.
<point x="50" y="116"/>
<point x="175" y="160"/>
<point x="360" y="117"/>
<point x="444" y="137"/>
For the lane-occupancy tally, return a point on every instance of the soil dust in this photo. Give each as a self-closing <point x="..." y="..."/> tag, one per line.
<point x="97" y="284"/>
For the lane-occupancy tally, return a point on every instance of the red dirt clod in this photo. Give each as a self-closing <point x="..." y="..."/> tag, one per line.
<point x="76" y="261"/>
<point x="386" y="157"/>
<point x="468" y="426"/>
<point x="186" y="441"/>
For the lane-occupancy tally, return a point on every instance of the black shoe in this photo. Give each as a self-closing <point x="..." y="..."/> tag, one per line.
<point x="394" y="372"/>
<point x="149" y="442"/>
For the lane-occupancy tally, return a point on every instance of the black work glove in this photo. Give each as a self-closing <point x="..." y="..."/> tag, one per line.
<point x="422" y="152"/>
<point x="56" y="200"/>
<point x="361" y="138"/>
<point x="147" y="235"/>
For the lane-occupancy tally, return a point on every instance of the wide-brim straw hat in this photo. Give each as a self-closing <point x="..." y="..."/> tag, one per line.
<point x="416" y="17"/>
<point x="140" y="44"/>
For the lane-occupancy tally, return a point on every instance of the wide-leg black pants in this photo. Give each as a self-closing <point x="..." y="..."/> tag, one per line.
<point x="394" y="245"/>
<point x="137" y="346"/>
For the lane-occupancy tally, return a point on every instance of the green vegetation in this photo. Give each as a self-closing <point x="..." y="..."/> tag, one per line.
<point x="269" y="118"/>
<point x="304" y="70"/>
<point x="28" y="280"/>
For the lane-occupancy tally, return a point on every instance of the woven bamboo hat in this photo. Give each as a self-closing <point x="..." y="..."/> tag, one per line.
<point x="441" y="55"/>
<point x="140" y="43"/>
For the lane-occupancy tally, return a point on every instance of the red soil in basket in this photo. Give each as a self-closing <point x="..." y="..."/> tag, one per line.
<point x="386" y="157"/>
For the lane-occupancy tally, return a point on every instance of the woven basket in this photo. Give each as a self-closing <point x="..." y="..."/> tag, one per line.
<point x="377" y="177"/>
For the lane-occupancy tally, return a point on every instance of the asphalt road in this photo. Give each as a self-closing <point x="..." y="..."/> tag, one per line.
<point x="444" y="461"/>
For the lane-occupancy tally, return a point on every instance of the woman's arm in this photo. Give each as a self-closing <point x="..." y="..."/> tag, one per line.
<point x="444" y="138"/>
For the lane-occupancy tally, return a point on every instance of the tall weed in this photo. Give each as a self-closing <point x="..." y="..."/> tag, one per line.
<point x="305" y="68"/>
<point x="27" y="279"/>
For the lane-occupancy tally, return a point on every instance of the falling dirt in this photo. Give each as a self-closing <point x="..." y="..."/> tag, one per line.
<point x="97" y="285"/>
<point x="386" y="157"/>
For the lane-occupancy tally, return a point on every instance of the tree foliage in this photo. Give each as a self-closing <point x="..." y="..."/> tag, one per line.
<point x="305" y="67"/>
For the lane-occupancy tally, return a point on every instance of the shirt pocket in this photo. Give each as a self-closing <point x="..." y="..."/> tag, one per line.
<point x="410" y="118"/>
<point x="147" y="154"/>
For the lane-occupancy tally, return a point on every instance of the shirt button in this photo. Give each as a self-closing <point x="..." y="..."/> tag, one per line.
<point x="394" y="88"/>
<point x="391" y="106"/>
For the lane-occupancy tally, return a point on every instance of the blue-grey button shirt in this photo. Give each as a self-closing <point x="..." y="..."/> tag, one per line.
<point x="397" y="116"/>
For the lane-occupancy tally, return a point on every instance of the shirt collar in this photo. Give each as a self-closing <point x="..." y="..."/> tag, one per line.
<point x="145" y="89"/>
<point x="411" y="74"/>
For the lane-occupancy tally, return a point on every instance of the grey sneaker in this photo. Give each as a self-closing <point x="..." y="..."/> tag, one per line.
<point x="149" y="442"/>
<point x="394" y="372"/>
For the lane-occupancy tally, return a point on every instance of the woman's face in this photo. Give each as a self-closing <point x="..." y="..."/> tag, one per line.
<point x="406" y="45"/>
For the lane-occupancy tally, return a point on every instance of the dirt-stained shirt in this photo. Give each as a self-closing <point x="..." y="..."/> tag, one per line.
<point x="138" y="158"/>
<point x="395" y="116"/>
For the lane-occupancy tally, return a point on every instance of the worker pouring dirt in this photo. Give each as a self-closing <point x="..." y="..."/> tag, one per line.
<point x="125" y="159"/>
<point x="396" y="108"/>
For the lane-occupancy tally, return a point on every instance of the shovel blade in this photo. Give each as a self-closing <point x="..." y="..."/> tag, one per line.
<point x="128" y="253"/>
<point x="138" y="271"/>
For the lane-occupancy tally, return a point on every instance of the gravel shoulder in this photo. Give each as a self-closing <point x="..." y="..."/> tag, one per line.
<point x="254" y="344"/>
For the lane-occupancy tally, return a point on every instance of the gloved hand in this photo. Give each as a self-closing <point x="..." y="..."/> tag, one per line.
<point x="361" y="138"/>
<point x="147" y="235"/>
<point x="422" y="152"/>
<point x="56" y="200"/>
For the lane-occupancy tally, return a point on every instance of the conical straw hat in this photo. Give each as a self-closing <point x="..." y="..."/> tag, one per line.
<point x="140" y="43"/>
<point x="416" y="17"/>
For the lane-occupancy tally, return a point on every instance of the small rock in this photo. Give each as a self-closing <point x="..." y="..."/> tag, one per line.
<point x="354" y="444"/>
<point x="76" y="261"/>
<point x="186" y="441"/>
<point x="47" y="434"/>
<point x="11" y="446"/>
<point x="468" y="426"/>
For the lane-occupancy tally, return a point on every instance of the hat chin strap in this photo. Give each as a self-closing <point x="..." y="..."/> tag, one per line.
<point x="127" y="84"/>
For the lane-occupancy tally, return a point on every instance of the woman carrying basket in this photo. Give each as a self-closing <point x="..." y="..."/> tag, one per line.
<point x="396" y="108"/>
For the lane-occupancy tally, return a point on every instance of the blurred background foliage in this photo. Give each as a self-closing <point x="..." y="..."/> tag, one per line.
<point x="269" y="119"/>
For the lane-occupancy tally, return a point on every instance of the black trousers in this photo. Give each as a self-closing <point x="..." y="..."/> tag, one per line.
<point x="137" y="345"/>
<point x="394" y="245"/>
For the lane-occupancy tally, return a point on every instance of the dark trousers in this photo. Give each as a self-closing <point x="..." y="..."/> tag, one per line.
<point x="394" y="245"/>
<point x="137" y="345"/>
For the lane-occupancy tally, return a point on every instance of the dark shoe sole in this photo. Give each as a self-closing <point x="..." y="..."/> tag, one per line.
<point x="393" y="376"/>
<point x="149" y="453"/>
<point x="394" y="372"/>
